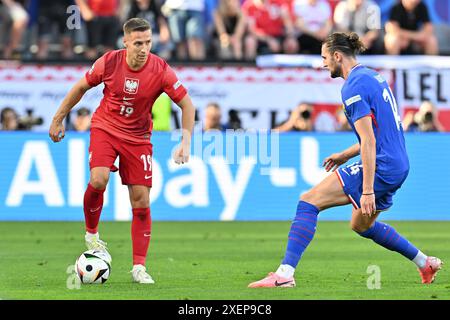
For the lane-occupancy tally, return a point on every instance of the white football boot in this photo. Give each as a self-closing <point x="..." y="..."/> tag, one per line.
<point x="140" y="275"/>
<point x="93" y="242"/>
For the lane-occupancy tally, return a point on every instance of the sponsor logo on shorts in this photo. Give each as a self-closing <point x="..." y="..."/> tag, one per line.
<point x="131" y="85"/>
<point x="90" y="156"/>
<point x="147" y="177"/>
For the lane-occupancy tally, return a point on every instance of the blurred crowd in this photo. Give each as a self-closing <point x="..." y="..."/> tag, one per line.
<point x="213" y="30"/>
<point x="10" y="120"/>
<point x="303" y="117"/>
<point x="209" y="29"/>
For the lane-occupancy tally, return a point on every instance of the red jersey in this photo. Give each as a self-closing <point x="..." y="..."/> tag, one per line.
<point x="266" y="16"/>
<point x="103" y="8"/>
<point x="128" y="96"/>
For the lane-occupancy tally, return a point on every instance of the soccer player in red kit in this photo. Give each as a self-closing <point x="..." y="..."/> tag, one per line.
<point x="122" y="126"/>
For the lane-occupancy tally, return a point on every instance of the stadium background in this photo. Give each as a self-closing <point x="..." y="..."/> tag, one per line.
<point x="43" y="181"/>
<point x="251" y="178"/>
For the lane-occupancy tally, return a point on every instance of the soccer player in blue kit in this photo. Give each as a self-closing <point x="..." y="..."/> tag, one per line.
<point x="369" y="184"/>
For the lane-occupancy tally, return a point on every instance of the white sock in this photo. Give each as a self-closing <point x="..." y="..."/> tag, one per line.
<point x="285" y="271"/>
<point x="420" y="260"/>
<point x="91" y="235"/>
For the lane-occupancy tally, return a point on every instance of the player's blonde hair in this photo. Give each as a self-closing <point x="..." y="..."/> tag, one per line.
<point x="346" y="42"/>
<point x="136" y="24"/>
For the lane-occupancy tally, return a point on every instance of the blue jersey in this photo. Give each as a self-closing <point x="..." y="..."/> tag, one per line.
<point x="366" y="93"/>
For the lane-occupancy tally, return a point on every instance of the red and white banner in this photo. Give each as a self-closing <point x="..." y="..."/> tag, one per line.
<point x="263" y="96"/>
<point x="413" y="86"/>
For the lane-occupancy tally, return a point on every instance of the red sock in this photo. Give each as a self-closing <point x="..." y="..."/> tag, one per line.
<point x="93" y="203"/>
<point x="141" y="227"/>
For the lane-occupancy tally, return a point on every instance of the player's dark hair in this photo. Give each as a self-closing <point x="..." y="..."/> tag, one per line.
<point x="346" y="42"/>
<point x="136" y="24"/>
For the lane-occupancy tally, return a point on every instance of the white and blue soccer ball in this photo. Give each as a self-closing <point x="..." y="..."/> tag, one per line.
<point x="93" y="266"/>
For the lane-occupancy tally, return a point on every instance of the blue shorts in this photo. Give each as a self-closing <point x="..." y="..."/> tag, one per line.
<point x="186" y="24"/>
<point x="385" y="186"/>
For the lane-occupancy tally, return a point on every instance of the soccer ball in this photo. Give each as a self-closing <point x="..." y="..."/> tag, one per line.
<point x="93" y="266"/>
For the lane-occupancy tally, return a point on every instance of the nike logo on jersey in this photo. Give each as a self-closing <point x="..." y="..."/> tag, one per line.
<point x="147" y="234"/>
<point x="126" y="99"/>
<point x="281" y="283"/>
<point x="147" y="177"/>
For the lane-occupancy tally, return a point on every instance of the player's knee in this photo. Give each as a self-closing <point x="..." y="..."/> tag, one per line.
<point x="140" y="201"/>
<point x="359" y="227"/>
<point x="98" y="182"/>
<point x="140" y="204"/>
<point x="305" y="196"/>
<point x="310" y="197"/>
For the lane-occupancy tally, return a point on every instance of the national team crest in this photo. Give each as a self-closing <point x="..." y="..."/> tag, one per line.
<point x="131" y="85"/>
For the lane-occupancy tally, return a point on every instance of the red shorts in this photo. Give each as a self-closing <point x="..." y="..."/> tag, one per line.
<point x="135" y="160"/>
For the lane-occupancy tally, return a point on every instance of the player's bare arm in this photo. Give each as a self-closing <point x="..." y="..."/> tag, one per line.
<point x="368" y="155"/>
<point x="332" y="162"/>
<point x="187" y="119"/>
<point x="57" y="131"/>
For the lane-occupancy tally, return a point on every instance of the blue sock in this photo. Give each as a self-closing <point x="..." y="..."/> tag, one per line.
<point x="302" y="232"/>
<point x="386" y="236"/>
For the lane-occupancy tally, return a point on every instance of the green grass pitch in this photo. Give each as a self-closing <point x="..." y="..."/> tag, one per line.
<point x="217" y="260"/>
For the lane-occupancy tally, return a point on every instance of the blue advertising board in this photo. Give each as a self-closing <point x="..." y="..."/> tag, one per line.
<point x="242" y="176"/>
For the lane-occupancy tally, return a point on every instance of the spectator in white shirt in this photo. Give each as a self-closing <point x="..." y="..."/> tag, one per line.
<point x="362" y="17"/>
<point x="313" y="21"/>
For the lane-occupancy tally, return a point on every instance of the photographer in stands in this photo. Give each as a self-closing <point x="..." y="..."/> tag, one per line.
<point x="28" y="121"/>
<point x="300" y="119"/>
<point x="424" y="120"/>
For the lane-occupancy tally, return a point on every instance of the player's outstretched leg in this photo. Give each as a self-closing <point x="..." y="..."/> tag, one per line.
<point x="140" y="236"/>
<point x="328" y="193"/>
<point x="302" y="232"/>
<point x="387" y="237"/>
